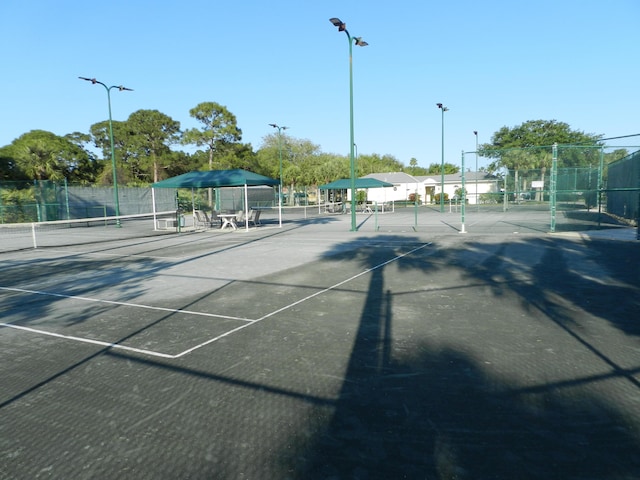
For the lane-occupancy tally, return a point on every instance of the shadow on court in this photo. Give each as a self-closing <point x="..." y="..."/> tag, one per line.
<point x="464" y="359"/>
<point x="442" y="414"/>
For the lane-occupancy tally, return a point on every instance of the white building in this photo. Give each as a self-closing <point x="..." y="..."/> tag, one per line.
<point x="403" y="186"/>
<point x="427" y="187"/>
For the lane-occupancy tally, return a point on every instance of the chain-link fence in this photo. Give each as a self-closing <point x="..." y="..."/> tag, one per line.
<point x="41" y="201"/>
<point x="566" y="178"/>
<point x="558" y="178"/>
<point x="623" y="187"/>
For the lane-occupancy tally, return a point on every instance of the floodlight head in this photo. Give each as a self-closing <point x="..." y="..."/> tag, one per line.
<point x="92" y="80"/>
<point x="273" y="125"/>
<point x="360" y="42"/>
<point x="439" y="105"/>
<point x="121" y="88"/>
<point x="475" y="132"/>
<point x="338" y="23"/>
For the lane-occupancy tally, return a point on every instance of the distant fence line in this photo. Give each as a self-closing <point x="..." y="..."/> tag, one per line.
<point x="49" y="201"/>
<point x="578" y="177"/>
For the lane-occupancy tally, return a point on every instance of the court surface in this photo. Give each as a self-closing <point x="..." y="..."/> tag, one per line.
<point x="313" y="352"/>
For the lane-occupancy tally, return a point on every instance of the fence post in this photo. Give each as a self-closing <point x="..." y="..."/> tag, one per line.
<point x="600" y="179"/>
<point x="553" y="186"/>
<point x="506" y="194"/>
<point x="463" y="197"/>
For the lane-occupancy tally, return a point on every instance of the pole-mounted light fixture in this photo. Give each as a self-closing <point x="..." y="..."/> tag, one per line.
<point x="342" y="27"/>
<point x="280" y="129"/>
<point x="113" y="152"/>
<point x="475" y="132"/>
<point x="443" y="109"/>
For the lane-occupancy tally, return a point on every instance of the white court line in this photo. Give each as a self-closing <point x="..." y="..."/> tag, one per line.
<point x="108" y="344"/>
<point x="88" y="340"/>
<point x="203" y="344"/>
<point x="297" y="302"/>
<point x="125" y="304"/>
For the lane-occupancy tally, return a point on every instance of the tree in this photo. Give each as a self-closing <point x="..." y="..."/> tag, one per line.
<point x="101" y="139"/>
<point x="150" y="134"/>
<point x="532" y="135"/>
<point x="299" y="160"/>
<point x="219" y="128"/>
<point x="331" y="167"/>
<point x="236" y="155"/>
<point x="528" y="147"/>
<point x="436" y="169"/>
<point x="83" y="168"/>
<point x="414" y="169"/>
<point x="42" y="155"/>
<point x="8" y="168"/>
<point x="374" y="163"/>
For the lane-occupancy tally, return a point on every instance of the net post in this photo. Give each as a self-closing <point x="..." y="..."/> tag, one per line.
<point x="33" y="235"/>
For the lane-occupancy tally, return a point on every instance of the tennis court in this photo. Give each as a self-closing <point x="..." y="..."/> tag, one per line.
<point x="310" y="351"/>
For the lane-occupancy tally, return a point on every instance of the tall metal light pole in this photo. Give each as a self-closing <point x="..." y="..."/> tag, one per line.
<point x="113" y="152"/>
<point x="475" y="132"/>
<point x="342" y="27"/>
<point x="444" y="109"/>
<point x="279" y="152"/>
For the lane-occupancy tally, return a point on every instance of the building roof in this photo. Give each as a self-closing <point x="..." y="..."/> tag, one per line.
<point x="393" y="177"/>
<point x="345" y="183"/>
<point x="457" y="177"/>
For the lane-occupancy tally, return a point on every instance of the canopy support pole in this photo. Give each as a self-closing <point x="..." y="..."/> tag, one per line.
<point x="246" y="207"/>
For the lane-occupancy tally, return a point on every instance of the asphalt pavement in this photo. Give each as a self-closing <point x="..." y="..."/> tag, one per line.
<point x="405" y="349"/>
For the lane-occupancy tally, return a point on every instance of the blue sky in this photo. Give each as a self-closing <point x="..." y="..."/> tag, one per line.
<point x="493" y="63"/>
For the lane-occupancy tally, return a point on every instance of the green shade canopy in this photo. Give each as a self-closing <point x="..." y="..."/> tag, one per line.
<point x="216" y="178"/>
<point x="345" y="184"/>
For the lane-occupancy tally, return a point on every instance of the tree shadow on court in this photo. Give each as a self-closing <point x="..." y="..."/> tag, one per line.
<point x="409" y="406"/>
<point x="65" y="277"/>
<point x="436" y="412"/>
<point x="601" y="278"/>
<point x="581" y="220"/>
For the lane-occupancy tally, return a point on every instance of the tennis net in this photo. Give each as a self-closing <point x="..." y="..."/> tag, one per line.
<point x="21" y="236"/>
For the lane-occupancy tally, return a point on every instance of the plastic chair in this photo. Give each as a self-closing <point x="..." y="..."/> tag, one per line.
<point x="239" y="217"/>
<point x="254" y="217"/>
<point x="215" y="219"/>
<point x="201" y="219"/>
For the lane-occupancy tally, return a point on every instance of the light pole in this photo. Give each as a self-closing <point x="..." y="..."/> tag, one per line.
<point x="443" y="109"/>
<point x="475" y="132"/>
<point x="342" y="27"/>
<point x="113" y="152"/>
<point x="279" y="152"/>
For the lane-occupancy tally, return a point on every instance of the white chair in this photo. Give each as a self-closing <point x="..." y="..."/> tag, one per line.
<point x="200" y="219"/>
<point x="215" y="219"/>
<point x="254" y="217"/>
